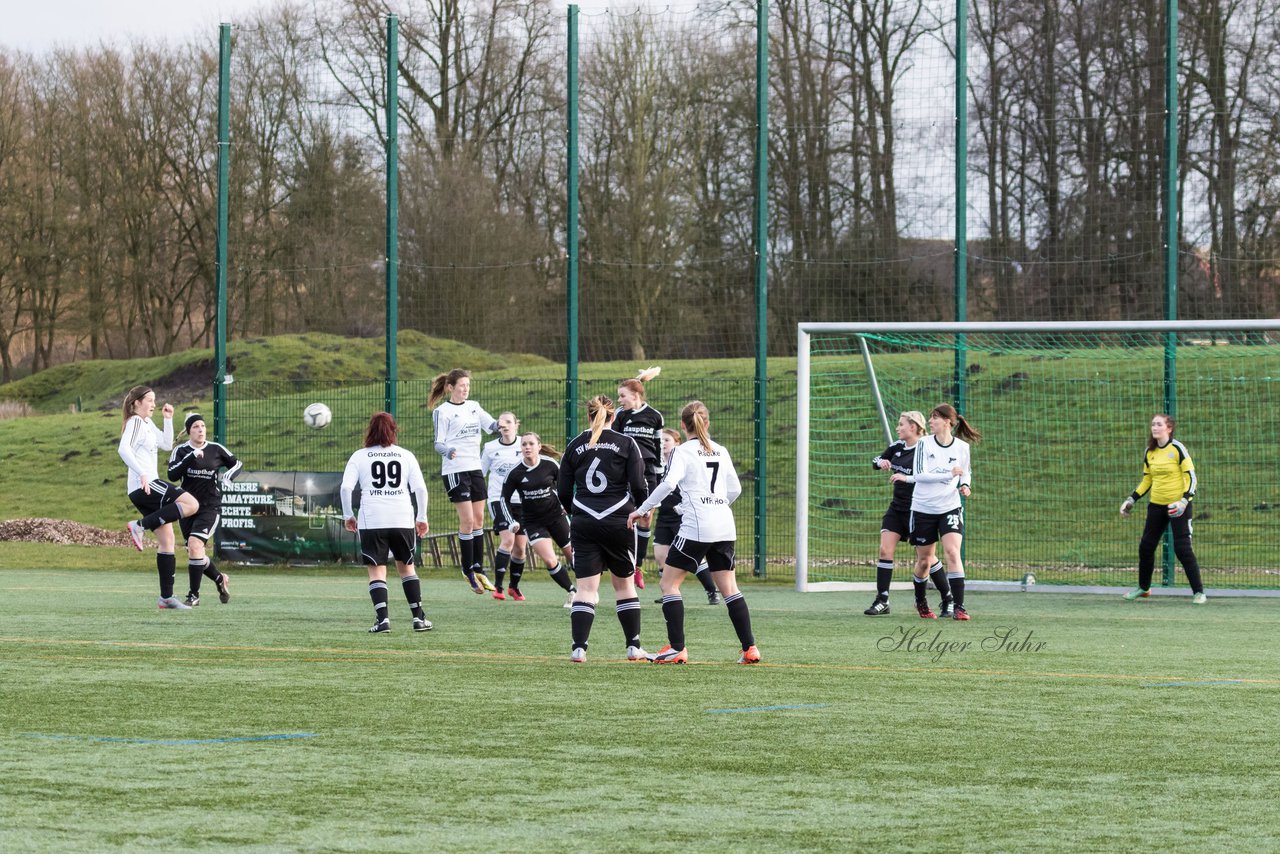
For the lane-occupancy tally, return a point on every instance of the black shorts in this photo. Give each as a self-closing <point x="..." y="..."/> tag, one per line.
<point x="540" y="529"/>
<point x="896" y="522"/>
<point x="162" y="493"/>
<point x="465" y="486"/>
<point x="688" y="554"/>
<point x="928" y="528"/>
<point x="600" y="544"/>
<point x="375" y="543"/>
<point x="664" y="533"/>
<point x="202" y="525"/>
<point x="500" y="523"/>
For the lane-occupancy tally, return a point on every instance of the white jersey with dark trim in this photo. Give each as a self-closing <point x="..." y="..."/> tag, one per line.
<point x="937" y="489"/>
<point x="708" y="484"/>
<point x="497" y="460"/>
<point x="458" y="427"/>
<point x="386" y="477"/>
<point x="139" y="442"/>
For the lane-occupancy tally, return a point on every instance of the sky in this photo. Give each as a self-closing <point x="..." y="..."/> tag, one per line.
<point x="30" y="26"/>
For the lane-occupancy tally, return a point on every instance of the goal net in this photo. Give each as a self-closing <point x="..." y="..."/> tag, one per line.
<point x="1064" y="410"/>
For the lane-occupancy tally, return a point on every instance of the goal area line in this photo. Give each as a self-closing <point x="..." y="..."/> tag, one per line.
<point x="1016" y="587"/>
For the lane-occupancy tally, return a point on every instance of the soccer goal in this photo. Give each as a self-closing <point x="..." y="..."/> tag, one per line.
<point x="1064" y="409"/>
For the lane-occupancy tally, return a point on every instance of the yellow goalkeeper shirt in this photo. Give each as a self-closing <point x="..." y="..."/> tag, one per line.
<point x="1168" y="473"/>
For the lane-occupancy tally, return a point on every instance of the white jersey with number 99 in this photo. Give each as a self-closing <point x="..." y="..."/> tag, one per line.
<point x="386" y="476"/>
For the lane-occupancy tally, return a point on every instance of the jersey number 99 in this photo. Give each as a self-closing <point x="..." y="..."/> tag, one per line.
<point x="385" y="474"/>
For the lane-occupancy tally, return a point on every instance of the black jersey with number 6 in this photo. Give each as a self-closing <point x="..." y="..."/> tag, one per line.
<point x="602" y="479"/>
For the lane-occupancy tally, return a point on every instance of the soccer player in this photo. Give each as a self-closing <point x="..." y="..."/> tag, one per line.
<point x="387" y="475"/>
<point x="497" y="459"/>
<point x="530" y="503"/>
<point x="638" y="420"/>
<point x="601" y="478"/>
<point x="895" y="526"/>
<point x="668" y="525"/>
<point x="195" y="465"/>
<point x="708" y="482"/>
<point x="458" y="422"/>
<point x="1170" y="476"/>
<point x="161" y="503"/>
<point x="942" y="476"/>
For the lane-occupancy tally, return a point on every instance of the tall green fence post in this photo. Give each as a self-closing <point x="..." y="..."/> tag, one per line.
<point x="761" y="228"/>
<point x="961" y="273"/>
<point x="393" y="212"/>
<point x="220" y="253"/>
<point x="571" y="237"/>
<point x="1170" y="236"/>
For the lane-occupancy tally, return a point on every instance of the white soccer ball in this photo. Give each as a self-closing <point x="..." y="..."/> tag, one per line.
<point x="317" y="415"/>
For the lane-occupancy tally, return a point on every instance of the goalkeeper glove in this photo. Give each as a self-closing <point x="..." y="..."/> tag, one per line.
<point x="1177" y="508"/>
<point x="1126" y="506"/>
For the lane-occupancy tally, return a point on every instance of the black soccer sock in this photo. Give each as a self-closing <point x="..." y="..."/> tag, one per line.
<point x="704" y="575"/>
<point x="211" y="571"/>
<point x="477" y="550"/>
<point x="378" y="593"/>
<point x="884" y="575"/>
<point x="517" y="572"/>
<point x="560" y="576"/>
<point x="163" y="516"/>
<point x="957" y="587"/>
<point x="741" y="618"/>
<point x="940" y="580"/>
<point x="500" y="561"/>
<point x="195" y="572"/>
<point x="629" y="618"/>
<point x="921" y="587"/>
<point x="412" y="594"/>
<point x="167" y="567"/>
<point x="673" y="613"/>
<point x="642" y="544"/>
<point x="580" y="620"/>
<point x="464" y="551"/>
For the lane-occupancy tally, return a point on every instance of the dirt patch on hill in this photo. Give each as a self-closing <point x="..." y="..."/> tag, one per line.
<point x="62" y="532"/>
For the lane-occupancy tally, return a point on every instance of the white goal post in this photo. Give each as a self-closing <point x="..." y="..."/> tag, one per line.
<point x="870" y="397"/>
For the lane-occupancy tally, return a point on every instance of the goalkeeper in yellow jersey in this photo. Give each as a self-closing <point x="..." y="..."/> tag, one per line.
<point x="1170" y="476"/>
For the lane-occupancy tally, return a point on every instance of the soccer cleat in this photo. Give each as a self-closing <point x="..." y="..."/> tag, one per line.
<point x="578" y="656"/>
<point x="568" y="599"/>
<point x="636" y="653"/>
<point x="516" y="595"/>
<point x="135" y="533"/>
<point x="667" y="655"/>
<point x="420" y="624"/>
<point x="499" y="595"/>
<point x="474" y="582"/>
<point x="192" y="600"/>
<point x="947" y="609"/>
<point x="713" y="598"/>
<point x="960" y="613"/>
<point x="1137" y="593"/>
<point x="224" y="589"/>
<point x="171" y="603"/>
<point x="925" y="612"/>
<point x="485" y="583"/>
<point x="1199" y="598"/>
<point x="879" y="608"/>
<point x="639" y="578"/>
<point x="750" y="655"/>
<point x="380" y="627"/>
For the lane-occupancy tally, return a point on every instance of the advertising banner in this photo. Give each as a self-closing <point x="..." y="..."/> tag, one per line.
<point x="285" y="517"/>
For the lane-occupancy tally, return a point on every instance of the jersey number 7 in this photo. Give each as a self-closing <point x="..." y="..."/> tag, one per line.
<point x="715" y="470"/>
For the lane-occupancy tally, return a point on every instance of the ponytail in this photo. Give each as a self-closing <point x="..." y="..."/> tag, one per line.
<point x="635" y="384"/>
<point x="441" y="381"/>
<point x="959" y="427"/>
<point x="697" y="421"/>
<point x="543" y="448"/>
<point x="600" y="410"/>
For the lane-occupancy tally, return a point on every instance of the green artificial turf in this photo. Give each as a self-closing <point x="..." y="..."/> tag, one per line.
<point x="1134" y="726"/>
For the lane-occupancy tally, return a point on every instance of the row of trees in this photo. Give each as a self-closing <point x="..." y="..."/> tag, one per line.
<point x="108" y="166"/>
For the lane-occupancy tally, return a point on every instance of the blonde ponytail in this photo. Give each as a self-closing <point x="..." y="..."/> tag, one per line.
<point x="600" y="410"/>
<point x="697" y="421"/>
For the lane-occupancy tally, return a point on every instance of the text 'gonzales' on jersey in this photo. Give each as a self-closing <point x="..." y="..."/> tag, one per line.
<point x="708" y="483"/>
<point x="604" y="478"/>
<point x="386" y="477"/>
<point x="458" y="427"/>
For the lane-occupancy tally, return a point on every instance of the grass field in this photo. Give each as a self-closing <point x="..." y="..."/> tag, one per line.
<point x="1132" y="726"/>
